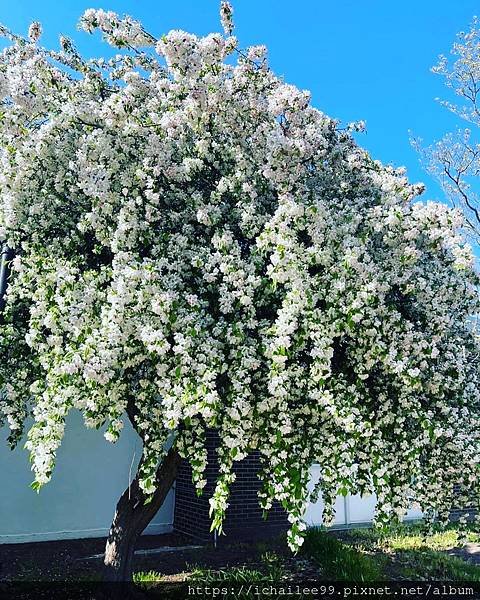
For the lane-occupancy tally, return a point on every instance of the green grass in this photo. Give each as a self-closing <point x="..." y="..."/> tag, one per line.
<point x="338" y="561"/>
<point x="233" y="574"/>
<point x="269" y="569"/>
<point x="411" y="537"/>
<point x="147" y="577"/>
<point x="415" y="554"/>
<point x="434" y="566"/>
<point x="367" y="554"/>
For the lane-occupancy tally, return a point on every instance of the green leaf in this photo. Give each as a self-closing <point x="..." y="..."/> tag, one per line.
<point x="36" y="485"/>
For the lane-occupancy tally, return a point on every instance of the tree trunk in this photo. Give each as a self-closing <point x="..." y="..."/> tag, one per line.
<point x="132" y="515"/>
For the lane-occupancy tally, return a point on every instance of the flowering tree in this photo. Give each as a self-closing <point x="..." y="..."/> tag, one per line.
<point x="197" y="247"/>
<point x="455" y="159"/>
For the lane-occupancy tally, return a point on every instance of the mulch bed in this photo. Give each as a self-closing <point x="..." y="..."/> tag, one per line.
<point x="66" y="560"/>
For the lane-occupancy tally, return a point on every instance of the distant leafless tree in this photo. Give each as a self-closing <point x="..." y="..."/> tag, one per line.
<point x="455" y="159"/>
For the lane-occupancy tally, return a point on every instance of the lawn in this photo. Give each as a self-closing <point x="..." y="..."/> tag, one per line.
<point x="356" y="555"/>
<point x="366" y="554"/>
<point x="404" y="552"/>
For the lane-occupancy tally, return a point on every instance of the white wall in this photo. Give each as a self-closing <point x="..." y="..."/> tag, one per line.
<point x="89" y="478"/>
<point x="80" y="500"/>
<point x="349" y="510"/>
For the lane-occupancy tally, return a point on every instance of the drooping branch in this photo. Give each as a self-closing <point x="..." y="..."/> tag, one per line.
<point x="7" y="255"/>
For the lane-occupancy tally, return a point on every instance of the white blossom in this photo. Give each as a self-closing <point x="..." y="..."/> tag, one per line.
<point x="191" y="233"/>
<point x="34" y="31"/>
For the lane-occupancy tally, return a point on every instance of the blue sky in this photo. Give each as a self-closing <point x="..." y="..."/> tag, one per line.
<point x="361" y="59"/>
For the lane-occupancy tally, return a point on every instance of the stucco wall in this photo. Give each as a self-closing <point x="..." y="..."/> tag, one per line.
<point x="80" y="500"/>
<point x="349" y="510"/>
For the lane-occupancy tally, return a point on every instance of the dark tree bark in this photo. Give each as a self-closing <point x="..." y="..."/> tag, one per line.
<point x="132" y="515"/>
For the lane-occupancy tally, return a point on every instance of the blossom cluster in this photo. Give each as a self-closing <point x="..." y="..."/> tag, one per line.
<point x="226" y="17"/>
<point x="454" y="160"/>
<point x="116" y="31"/>
<point x="198" y="247"/>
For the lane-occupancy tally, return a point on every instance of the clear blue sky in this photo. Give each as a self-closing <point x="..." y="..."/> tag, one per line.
<point x="361" y="59"/>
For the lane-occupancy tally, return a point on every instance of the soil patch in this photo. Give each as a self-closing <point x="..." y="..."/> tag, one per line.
<point x="67" y="560"/>
<point x="470" y="553"/>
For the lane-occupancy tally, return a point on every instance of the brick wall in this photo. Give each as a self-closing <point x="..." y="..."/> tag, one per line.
<point x="243" y="519"/>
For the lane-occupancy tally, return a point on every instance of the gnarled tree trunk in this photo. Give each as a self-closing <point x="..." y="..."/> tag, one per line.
<point x="132" y="515"/>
